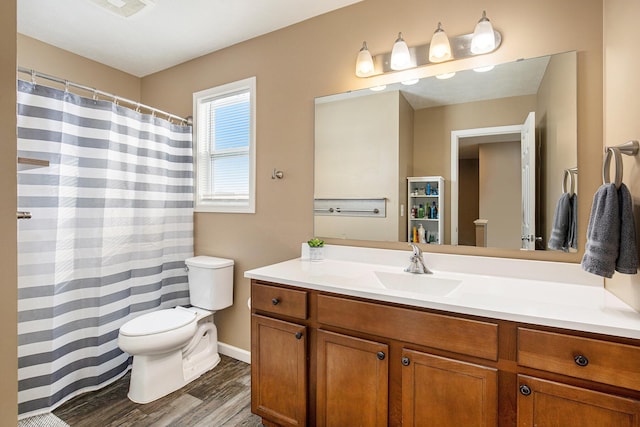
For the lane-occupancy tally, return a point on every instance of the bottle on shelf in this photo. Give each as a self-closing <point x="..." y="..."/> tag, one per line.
<point x="414" y="212"/>
<point x="434" y="211"/>
<point x="421" y="236"/>
<point x="415" y="235"/>
<point x="420" y="211"/>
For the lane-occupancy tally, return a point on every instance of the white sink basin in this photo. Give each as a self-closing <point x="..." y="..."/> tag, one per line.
<point x="417" y="283"/>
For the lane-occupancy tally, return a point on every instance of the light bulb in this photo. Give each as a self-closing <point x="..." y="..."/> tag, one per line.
<point x="483" y="40"/>
<point x="400" y="56"/>
<point x="439" y="49"/>
<point x="364" y="62"/>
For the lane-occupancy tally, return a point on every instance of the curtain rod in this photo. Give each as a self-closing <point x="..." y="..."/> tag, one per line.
<point x="97" y="92"/>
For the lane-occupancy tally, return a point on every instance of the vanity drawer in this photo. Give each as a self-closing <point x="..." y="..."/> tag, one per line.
<point x="596" y="360"/>
<point x="277" y="300"/>
<point x="454" y="334"/>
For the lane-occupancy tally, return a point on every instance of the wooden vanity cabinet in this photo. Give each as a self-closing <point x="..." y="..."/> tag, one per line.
<point x="544" y="402"/>
<point x="444" y="392"/>
<point x="352" y="381"/>
<point x="279" y="374"/>
<point x="322" y="359"/>
<point x="550" y="403"/>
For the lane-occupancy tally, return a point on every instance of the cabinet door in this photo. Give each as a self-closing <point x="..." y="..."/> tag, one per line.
<point x="551" y="404"/>
<point x="352" y="383"/>
<point x="440" y="392"/>
<point x="278" y="371"/>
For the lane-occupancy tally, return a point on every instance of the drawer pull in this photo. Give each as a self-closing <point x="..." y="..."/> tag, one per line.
<point x="406" y="361"/>
<point x="381" y="355"/>
<point x="275" y="301"/>
<point x="581" y="360"/>
<point x="298" y="335"/>
<point x="525" y="390"/>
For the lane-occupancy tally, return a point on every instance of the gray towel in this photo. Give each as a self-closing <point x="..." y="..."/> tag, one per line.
<point x="603" y="233"/>
<point x="559" y="239"/>
<point x="572" y="239"/>
<point x="611" y="237"/>
<point x="627" y="261"/>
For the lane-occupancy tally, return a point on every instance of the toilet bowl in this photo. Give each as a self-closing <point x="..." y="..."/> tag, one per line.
<point x="172" y="347"/>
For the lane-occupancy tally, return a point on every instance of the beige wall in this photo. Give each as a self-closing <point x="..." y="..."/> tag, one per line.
<point x="406" y="164"/>
<point x="499" y="176"/>
<point x="39" y="56"/>
<point x="622" y="110"/>
<point x="354" y="173"/>
<point x="316" y="58"/>
<point x="8" y="249"/>
<point x="432" y="133"/>
<point x="556" y="124"/>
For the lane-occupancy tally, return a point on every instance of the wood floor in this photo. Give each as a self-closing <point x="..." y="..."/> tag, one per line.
<point x="219" y="398"/>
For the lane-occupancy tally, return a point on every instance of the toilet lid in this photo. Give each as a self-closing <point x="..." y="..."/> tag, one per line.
<point x="158" y="321"/>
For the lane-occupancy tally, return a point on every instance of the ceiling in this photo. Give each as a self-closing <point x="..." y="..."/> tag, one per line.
<point x="163" y="34"/>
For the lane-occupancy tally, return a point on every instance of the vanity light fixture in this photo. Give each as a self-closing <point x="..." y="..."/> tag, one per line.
<point x="410" y="82"/>
<point x="378" y="88"/>
<point x="445" y="76"/>
<point x="400" y="56"/>
<point x="483" y="39"/>
<point x="364" y="63"/>
<point x="484" y="69"/>
<point x="442" y="48"/>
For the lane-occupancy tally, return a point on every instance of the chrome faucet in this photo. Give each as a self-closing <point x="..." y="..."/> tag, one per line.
<point x="417" y="262"/>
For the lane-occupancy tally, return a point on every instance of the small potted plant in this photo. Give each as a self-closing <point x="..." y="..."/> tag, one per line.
<point x="316" y="249"/>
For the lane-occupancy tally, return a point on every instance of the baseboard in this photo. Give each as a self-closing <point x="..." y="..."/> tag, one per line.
<point x="235" y="352"/>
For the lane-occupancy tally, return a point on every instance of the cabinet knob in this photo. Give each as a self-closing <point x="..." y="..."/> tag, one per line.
<point x="275" y="301"/>
<point x="405" y="361"/>
<point x="581" y="360"/>
<point x="298" y="335"/>
<point x="525" y="390"/>
<point x="381" y="355"/>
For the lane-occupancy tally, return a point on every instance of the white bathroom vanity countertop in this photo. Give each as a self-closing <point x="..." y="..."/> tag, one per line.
<point x="537" y="292"/>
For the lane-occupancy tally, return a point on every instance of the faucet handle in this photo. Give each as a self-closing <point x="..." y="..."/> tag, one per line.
<point x="416" y="249"/>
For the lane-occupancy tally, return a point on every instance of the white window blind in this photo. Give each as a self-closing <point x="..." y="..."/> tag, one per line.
<point x="225" y="147"/>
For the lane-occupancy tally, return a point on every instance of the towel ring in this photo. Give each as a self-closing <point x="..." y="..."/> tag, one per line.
<point x="606" y="166"/>
<point x="568" y="173"/>
<point x="630" y="148"/>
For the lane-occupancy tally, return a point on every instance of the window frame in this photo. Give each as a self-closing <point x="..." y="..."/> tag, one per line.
<point x="200" y="98"/>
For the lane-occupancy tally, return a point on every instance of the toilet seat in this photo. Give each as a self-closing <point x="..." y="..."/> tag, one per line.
<point x="158" y="322"/>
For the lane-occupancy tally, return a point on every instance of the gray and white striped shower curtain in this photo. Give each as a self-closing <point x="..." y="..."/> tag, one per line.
<point x="112" y="223"/>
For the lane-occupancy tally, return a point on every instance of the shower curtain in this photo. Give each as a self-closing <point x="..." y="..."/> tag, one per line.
<point x="112" y="223"/>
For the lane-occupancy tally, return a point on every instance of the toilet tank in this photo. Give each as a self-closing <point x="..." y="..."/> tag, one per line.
<point x="210" y="282"/>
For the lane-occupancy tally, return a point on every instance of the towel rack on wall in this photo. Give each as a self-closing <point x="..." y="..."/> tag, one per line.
<point x="630" y="148"/>
<point x="569" y="176"/>
<point x="350" y="207"/>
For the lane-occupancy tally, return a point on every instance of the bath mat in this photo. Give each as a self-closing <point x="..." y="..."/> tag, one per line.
<point x="44" y="420"/>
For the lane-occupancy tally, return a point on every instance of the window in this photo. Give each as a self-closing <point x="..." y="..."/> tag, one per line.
<point x="224" y="147"/>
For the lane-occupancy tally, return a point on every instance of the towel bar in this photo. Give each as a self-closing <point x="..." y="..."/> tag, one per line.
<point x="629" y="148"/>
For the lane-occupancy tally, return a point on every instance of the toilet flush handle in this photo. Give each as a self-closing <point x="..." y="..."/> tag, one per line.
<point x="186" y="268"/>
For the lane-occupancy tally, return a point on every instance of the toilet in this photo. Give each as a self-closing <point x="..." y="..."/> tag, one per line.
<point x="172" y="347"/>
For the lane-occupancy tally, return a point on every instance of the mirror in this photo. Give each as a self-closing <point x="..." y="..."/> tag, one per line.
<point x="372" y="145"/>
